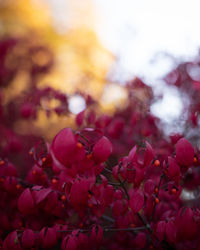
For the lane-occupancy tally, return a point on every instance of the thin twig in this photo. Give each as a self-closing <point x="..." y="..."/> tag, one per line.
<point x="124" y="188"/>
<point x="108" y="170"/>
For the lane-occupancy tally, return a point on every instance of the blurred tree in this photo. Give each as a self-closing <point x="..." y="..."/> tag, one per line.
<point x="78" y="61"/>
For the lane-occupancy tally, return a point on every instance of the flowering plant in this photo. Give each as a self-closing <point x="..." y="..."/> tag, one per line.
<point x="114" y="182"/>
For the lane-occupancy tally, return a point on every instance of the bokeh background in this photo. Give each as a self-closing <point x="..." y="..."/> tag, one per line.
<point x="98" y="46"/>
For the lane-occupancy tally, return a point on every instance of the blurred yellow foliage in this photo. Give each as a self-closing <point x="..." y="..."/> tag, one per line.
<point x="81" y="62"/>
<point x="21" y="16"/>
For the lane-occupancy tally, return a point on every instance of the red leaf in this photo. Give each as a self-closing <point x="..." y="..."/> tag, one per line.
<point x="184" y="152"/>
<point x="140" y="240"/>
<point x="28" y="238"/>
<point x="171" y="231"/>
<point x="80" y="117"/>
<point x="41" y="194"/>
<point x="63" y="146"/>
<point x="160" y="230"/>
<point x="102" y="150"/>
<point x="26" y="202"/>
<point x="136" y="201"/>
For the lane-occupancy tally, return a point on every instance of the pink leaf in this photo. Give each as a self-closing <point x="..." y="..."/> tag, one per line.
<point x="184" y="152"/>
<point x="102" y="150"/>
<point x="136" y="201"/>
<point x="41" y="194"/>
<point x="26" y="202"/>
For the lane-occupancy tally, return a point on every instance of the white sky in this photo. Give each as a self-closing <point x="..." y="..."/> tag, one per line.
<point x="138" y="31"/>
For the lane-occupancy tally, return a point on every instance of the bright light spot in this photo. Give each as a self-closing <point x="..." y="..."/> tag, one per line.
<point x="194" y="72"/>
<point x="169" y="107"/>
<point x="187" y="195"/>
<point x="113" y="93"/>
<point x="76" y="104"/>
